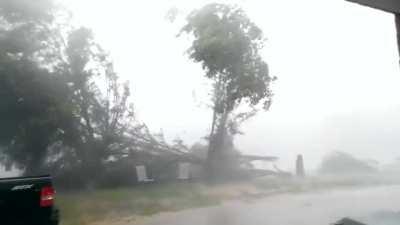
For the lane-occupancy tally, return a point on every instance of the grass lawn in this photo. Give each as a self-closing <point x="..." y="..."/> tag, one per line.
<point x="88" y="207"/>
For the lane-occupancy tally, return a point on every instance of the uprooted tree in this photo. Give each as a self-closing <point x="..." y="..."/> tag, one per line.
<point x="228" y="45"/>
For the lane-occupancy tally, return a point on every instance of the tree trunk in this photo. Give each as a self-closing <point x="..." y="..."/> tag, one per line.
<point x="215" y="153"/>
<point x="211" y="136"/>
<point x="211" y="153"/>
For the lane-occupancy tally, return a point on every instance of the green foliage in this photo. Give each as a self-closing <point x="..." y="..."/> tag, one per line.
<point x="31" y="111"/>
<point x="33" y="99"/>
<point x="227" y="44"/>
<point x="26" y="10"/>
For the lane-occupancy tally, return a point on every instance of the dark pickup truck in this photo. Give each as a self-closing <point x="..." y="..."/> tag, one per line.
<point x="27" y="201"/>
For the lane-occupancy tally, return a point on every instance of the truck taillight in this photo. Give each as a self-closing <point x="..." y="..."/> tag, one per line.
<point x="47" y="196"/>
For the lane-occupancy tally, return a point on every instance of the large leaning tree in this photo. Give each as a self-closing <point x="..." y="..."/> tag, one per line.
<point x="228" y="44"/>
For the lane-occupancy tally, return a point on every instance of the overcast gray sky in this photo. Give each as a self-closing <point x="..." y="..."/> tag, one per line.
<point x="336" y="63"/>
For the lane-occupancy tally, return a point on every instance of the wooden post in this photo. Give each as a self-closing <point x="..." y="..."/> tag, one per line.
<point x="300" y="166"/>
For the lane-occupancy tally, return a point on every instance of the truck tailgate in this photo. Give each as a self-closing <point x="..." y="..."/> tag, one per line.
<point x="20" y="200"/>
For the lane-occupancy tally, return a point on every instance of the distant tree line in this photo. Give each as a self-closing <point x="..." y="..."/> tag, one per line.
<point x="341" y="163"/>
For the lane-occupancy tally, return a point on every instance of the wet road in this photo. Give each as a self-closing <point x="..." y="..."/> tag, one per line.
<point x="320" y="208"/>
